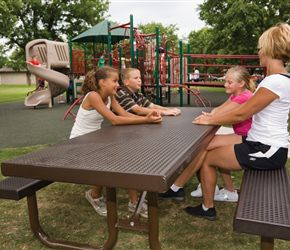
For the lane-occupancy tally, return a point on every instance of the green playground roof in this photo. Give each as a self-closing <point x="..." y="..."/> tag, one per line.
<point x="99" y="34"/>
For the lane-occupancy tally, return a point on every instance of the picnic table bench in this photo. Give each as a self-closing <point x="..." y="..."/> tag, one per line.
<point x="16" y="188"/>
<point x="264" y="206"/>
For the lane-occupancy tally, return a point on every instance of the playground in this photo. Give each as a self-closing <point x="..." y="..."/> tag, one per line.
<point x="166" y="68"/>
<point x="41" y="121"/>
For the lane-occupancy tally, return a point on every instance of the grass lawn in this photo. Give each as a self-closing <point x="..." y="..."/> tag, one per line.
<point x="14" y="93"/>
<point x="65" y="214"/>
<point x="212" y="89"/>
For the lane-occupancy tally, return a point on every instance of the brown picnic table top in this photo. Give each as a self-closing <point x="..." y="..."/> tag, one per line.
<point x="144" y="157"/>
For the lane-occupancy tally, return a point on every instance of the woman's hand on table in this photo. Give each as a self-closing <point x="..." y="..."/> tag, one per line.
<point x="204" y="119"/>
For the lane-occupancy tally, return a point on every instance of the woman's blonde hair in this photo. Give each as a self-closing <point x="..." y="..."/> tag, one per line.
<point x="275" y="42"/>
<point x="242" y="74"/>
<point x="93" y="77"/>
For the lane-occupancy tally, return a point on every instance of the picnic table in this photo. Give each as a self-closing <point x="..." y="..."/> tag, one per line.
<point x="144" y="157"/>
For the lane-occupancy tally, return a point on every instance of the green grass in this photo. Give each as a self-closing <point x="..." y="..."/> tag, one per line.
<point x="14" y="93"/>
<point x="65" y="214"/>
<point x="212" y="89"/>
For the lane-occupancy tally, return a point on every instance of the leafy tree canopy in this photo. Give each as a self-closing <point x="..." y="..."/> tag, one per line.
<point x="24" y="20"/>
<point x="3" y="59"/>
<point x="170" y="31"/>
<point x="200" y="41"/>
<point x="237" y="24"/>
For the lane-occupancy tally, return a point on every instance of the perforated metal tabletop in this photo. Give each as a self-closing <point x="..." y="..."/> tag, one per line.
<point x="145" y="157"/>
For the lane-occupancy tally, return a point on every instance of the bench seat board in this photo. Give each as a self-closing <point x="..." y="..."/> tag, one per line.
<point x="264" y="204"/>
<point x="15" y="188"/>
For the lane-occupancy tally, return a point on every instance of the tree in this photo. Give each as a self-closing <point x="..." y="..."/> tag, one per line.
<point x="24" y="20"/>
<point x="3" y="58"/>
<point x="170" y="31"/>
<point x="237" y="24"/>
<point x="16" y="60"/>
<point x="201" y="41"/>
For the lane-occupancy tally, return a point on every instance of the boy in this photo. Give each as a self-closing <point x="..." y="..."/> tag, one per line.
<point x="135" y="102"/>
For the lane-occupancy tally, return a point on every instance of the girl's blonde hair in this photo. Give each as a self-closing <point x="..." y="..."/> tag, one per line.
<point x="275" y="42"/>
<point x="125" y="73"/>
<point x="93" y="77"/>
<point x="242" y="74"/>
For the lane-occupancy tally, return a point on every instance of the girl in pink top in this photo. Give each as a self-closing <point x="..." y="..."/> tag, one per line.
<point x="240" y="87"/>
<point x="243" y="127"/>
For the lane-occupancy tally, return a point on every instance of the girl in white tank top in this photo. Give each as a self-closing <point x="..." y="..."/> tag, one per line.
<point x="99" y="88"/>
<point x="87" y="120"/>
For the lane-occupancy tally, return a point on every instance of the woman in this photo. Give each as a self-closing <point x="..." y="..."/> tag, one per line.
<point x="266" y="145"/>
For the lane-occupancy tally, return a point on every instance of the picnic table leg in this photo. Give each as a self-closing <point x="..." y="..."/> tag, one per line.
<point x="112" y="218"/>
<point x="42" y="236"/>
<point x="267" y="243"/>
<point x="153" y="221"/>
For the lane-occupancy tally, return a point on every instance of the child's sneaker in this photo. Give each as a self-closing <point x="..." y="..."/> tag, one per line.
<point x="144" y="208"/>
<point x="98" y="204"/>
<point x="198" y="211"/>
<point x="226" y="195"/>
<point x="170" y="194"/>
<point x="198" y="192"/>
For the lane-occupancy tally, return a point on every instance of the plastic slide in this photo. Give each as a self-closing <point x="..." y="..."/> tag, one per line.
<point x="38" y="98"/>
<point x="58" y="83"/>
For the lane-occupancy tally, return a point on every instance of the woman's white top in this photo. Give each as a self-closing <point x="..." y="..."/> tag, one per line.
<point x="87" y="120"/>
<point x="270" y="125"/>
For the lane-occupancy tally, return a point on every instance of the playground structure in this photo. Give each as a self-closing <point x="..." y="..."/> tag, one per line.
<point x="165" y="73"/>
<point x="54" y="68"/>
<point x="131" y="48"/>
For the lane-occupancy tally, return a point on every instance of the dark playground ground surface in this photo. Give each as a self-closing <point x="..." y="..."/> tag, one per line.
<point x="22" y="126"/>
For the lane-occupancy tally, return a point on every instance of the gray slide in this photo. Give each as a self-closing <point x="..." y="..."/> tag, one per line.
<point x="53" y="77"/>
<point x="53" y="57"/>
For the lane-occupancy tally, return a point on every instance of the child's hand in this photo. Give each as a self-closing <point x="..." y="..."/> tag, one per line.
<point x="174" y="112"/>
<point x="177" y="111"/>
<point x="154" y="117"/>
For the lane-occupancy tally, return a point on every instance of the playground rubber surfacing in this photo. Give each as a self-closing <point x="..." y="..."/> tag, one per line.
<point x="22" y="126"/>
